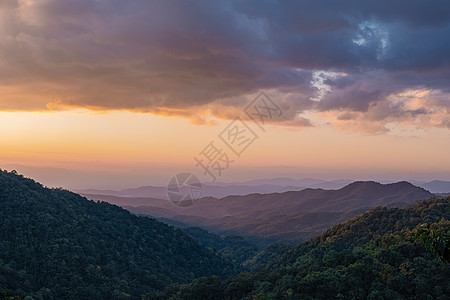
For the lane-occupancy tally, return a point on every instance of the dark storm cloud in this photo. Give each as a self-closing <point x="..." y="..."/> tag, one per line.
<point x="179" y="57"/>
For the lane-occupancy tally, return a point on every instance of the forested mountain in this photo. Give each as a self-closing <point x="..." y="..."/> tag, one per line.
<point x="373" y="256"/>
<point x="235" y="248"/>
<point x="55" y="244"/>
<point x="250" y="255"/>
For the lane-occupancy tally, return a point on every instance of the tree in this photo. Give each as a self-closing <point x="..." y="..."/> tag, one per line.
<point x="435" y="239"/>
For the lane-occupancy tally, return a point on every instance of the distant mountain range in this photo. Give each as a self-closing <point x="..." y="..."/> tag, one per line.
<point x="261" y="186"/>
<point x="220" y="190"/>
<point x="288" y="216"/>
<point x="436" y="186"/>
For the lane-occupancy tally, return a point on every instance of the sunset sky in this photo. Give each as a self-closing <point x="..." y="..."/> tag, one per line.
<point x="115" y="94"/>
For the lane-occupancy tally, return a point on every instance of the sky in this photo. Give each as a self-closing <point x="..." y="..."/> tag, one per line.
<point x="115" y="94"/>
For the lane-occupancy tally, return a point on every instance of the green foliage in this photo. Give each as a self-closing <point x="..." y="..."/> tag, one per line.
<point x="260" y="260"/>
<point x="435" y="239"/>
<point x="55" y="244"/>
<point x="250" y="254"/>
<point x="235" y="248"/>
<point x="373" y="256"/>
<point x="7" y="295"/>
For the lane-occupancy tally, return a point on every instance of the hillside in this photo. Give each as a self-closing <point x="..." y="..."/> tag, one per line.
<point x="293" y="216"/>
<point x="57" y="244"/>
<point x="373" y="256"/>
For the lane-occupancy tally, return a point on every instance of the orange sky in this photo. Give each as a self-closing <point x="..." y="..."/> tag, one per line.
<point x="113" y="94"/>
<point x="120" y="141"/>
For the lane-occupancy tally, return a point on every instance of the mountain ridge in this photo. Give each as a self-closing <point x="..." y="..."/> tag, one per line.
<point x="271" y="215"/>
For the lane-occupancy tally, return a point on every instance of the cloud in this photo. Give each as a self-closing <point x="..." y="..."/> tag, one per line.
<point x="200" y="58"/>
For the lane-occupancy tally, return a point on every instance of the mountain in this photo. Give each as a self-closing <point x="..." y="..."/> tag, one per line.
<point x="290" y="216"/>
<point x="373" y="256"/>
<point x="221" y="189"/>
<point x="131" y="201"/>
<point x="208" y="190"/>
<point x="437" y="186"/>
<point x="58" y="245"/>
<point x="282" y="181"/>
<point x="140" y="192"/>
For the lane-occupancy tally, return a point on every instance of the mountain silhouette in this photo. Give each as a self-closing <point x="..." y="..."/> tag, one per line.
<point x="289" y="216"/>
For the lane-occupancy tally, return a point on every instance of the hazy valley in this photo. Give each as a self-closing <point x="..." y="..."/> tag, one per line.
<point x="292" y="216"/>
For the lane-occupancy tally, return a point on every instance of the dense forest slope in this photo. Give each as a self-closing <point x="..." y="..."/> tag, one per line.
<point x="373" y="256"/>
<point x="249" y="255"/>
<point x="55" y="244"/>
